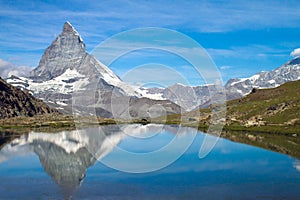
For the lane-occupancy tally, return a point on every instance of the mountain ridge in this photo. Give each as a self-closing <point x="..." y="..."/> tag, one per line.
<point x="194" y="97"/>
<point x="290" y="71"/>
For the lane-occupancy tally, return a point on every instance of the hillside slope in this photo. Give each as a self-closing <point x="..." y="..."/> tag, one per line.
<point x="267" y="107"/>
<point x="15" y="102"/>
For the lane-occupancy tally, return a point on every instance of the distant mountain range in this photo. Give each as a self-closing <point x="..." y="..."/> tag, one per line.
<point x="68" y="77"/>
<point x="199" y="96"/>
<point x="15" y="102"/>
<point x="287" y="72"/>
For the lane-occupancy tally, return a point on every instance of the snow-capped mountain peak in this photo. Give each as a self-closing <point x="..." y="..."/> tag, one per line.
<point x="67" y="70"/>
<point x="67" y="51"/>
<point x="68" y="28"/>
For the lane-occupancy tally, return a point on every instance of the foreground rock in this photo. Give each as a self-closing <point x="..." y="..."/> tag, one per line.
<point x="15" y="102"/>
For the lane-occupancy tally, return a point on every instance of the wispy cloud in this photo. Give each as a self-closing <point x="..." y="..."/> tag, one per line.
<point x="107" y="17"/>
<point x="225" y="67"/>
<point x="28" y="27"/>
<point x="250" y="51"/>
<point x="7" y="69"/>
<point x="167" y="44"/>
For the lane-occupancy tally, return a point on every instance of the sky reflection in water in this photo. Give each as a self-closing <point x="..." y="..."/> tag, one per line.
<point x="53" y="166"/>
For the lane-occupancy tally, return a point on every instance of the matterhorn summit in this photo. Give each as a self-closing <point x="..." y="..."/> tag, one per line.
<point x="67" y="51"/>
<point x="66" y="71"/>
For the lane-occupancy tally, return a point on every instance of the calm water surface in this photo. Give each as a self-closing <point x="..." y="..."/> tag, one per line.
<point x="65" y="166"/>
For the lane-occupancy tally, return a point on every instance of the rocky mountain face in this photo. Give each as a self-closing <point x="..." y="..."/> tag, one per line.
<point x="56" y="59"/>
<point x="68" y="77"/>
<point x="186" y="96"/>
<point x="15" y="102"/>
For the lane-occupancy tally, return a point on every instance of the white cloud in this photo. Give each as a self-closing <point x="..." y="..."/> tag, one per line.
<point x="250" y="51"/>
<point x="225" y="67"/>
<point x="7" y="69"/>
<point x="295" y="52"/>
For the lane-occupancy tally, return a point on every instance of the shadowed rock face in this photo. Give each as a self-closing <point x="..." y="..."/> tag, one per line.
<point x="15" y="102"/>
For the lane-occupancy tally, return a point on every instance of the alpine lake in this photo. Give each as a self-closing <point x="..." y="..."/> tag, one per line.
<point x="142" y="162"/>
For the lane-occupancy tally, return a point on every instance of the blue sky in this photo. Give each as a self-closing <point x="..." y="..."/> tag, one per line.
<point x="242" y="37"/>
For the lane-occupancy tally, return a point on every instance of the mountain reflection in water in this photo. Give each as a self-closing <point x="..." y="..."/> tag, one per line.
<point x="232" y="170"/>
<point x="66" y="155"/>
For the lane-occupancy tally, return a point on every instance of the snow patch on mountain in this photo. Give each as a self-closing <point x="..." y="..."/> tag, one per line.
<point x="239" y="80"/>
<point x="66" y="83"/>
<point x="144" y="92"/>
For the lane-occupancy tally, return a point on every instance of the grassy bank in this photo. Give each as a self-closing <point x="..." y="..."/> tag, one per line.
<point x="277" y="139"/>
<point x="51" y="122"/>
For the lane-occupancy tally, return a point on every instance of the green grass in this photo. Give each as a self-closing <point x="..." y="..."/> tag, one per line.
<point x="259" y="104"/>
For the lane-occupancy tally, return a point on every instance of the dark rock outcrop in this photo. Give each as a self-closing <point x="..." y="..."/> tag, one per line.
<point x="15" y="102"/>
